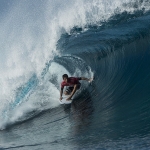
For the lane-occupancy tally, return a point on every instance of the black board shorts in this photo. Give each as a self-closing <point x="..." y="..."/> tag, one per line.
<point x="70" y="88"/>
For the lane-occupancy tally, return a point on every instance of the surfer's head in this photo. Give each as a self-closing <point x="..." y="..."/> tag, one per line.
<point x="65" y="77"/>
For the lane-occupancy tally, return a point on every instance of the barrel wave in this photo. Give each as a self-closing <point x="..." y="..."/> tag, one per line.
<point x="109" y="43"/>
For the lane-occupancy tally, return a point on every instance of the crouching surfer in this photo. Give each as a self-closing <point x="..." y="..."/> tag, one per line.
<point x="72" y="84"/>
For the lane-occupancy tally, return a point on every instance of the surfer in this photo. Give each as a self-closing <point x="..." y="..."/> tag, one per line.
<point x="73" y="85"/>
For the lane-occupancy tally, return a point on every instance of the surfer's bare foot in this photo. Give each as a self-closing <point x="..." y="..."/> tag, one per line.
<point x="68" y="99"/>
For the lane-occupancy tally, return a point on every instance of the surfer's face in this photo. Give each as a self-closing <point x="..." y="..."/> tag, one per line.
<point x="65" y="79"/>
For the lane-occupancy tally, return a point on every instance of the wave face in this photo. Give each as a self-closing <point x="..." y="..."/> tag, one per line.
<point x="42" y="40"/>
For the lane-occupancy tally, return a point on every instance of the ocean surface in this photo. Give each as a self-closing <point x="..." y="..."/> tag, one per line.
<point x="43" y="39"/>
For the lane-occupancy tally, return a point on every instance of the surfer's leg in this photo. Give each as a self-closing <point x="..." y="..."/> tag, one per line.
<point x="66" y="93"/>
<point x="68" y="90"/>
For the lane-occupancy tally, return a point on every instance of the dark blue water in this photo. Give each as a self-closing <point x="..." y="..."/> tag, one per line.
<point x="113" y="112"/>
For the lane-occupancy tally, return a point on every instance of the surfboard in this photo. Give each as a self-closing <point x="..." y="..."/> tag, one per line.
<point x="64" y="101"/>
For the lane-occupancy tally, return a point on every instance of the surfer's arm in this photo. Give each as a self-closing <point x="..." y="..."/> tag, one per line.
<point x="74" y="90"/>
<point x="61" y="92"/>
<point x="83" y="78"/>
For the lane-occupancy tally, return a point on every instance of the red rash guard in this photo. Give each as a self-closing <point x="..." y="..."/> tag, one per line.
<point x="70" y="82"/>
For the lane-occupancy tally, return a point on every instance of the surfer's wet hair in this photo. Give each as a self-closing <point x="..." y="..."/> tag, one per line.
<point x="65" y="76"/>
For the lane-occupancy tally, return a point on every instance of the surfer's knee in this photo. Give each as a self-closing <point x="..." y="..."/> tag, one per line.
<point x="66" y="93"/>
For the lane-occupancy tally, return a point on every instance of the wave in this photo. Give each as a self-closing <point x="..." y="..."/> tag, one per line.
<point x="40" y="45"/>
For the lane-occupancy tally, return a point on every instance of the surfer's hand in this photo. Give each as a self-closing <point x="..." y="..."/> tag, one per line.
<point x="69" y="98"/>
<point x="89" y="80"/>
<point x="60" y="98"/>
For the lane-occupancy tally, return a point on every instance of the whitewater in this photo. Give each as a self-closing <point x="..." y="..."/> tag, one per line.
<point x="41" y="40"/>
